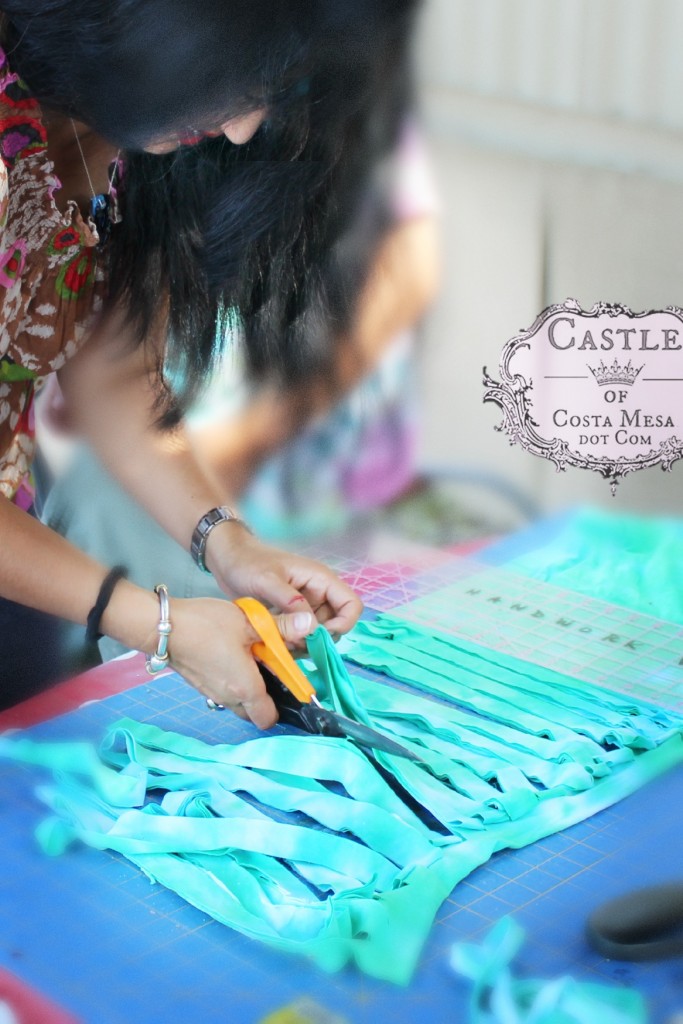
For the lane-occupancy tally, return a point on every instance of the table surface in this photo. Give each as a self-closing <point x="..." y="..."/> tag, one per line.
<point x="93" y="934"/>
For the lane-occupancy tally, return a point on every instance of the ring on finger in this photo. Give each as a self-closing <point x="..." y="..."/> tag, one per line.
<point x="213" y="706"/>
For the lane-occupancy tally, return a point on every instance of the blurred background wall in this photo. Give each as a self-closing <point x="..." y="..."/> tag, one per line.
<point x="556" y="131"/>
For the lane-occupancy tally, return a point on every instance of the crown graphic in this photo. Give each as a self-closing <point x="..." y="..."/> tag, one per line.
<point x="615" y="374"/>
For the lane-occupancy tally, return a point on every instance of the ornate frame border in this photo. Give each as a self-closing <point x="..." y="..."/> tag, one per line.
<point x="511" y="393"/>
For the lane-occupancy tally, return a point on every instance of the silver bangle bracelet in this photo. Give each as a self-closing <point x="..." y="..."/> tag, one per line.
<point x="222" y="514"/>
<point x="159" y="660"/>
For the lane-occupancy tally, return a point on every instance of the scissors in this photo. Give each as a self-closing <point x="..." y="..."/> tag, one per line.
<point x="294" y="696"/>
<point x="643" y="925"/>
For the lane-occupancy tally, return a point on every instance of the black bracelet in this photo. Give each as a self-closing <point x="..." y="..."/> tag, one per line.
<point x="92" y="629"/>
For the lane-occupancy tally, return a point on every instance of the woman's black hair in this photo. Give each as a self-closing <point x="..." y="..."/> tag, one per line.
<point x="276" y="234"/>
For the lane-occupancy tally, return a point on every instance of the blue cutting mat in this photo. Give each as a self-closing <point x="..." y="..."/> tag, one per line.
<point x="89" y="930"/>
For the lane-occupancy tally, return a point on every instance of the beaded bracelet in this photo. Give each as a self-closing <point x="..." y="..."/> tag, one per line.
<point x="159" y="660"/>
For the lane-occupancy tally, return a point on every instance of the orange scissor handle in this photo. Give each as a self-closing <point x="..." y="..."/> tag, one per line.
<point x="272" y="651"/>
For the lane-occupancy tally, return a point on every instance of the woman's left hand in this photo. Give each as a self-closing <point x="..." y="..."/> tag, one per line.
<point x="111" y="398"/>
<point x="243" y="566"/>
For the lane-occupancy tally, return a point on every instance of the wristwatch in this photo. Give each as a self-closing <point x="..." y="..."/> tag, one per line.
<point x="222" y="514"/>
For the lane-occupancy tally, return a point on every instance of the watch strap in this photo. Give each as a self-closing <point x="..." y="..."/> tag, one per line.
<point x="221" y="514"/>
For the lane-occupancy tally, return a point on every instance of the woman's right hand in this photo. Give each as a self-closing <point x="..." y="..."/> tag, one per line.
<point x="210" y="646"/>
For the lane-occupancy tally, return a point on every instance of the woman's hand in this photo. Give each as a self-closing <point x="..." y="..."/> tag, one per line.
<point x="243" y="566"/>
<point x="210" y="646"/>
<point x="211" y="639"/>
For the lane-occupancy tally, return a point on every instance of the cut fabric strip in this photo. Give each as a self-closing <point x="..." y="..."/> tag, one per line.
<point x="505" y="689"/>
<point x="500" y="998"/>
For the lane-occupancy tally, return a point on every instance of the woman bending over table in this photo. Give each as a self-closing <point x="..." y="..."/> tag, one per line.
<point x="167" y="168"/>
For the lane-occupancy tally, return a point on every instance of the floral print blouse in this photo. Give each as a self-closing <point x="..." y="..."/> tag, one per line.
<point x="50" y="281"/>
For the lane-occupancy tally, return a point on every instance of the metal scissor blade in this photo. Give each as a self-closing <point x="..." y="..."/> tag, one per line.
<point x="293" y="694"/>
<point x="367" y="737"/>
<point x="314" y="718"/>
